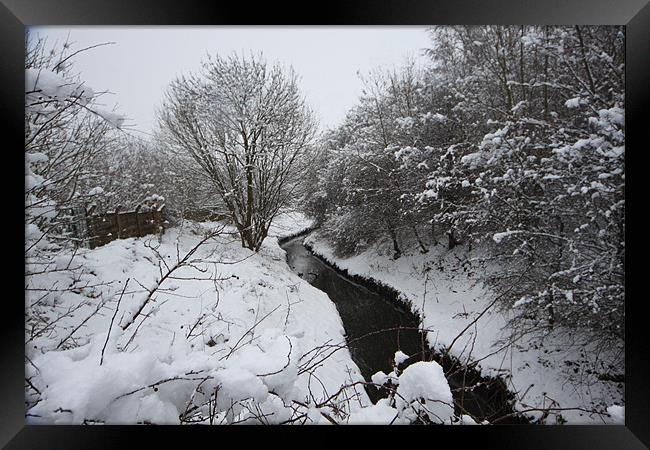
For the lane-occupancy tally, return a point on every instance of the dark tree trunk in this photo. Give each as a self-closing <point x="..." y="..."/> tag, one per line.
<point x="247" y="238"/>
<point x="546" y="74"/>
<point x="592" y="86"/>
<point x="452" y="241"/>
<point x="423" y="248"/>
<point x="396" y="248"/>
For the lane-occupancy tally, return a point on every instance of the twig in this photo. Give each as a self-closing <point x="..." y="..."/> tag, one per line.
<point x="181" y="263"/>
<point x="492" y="303"/>
<point x="101" y="360"/>
<point x="248" y="331"/>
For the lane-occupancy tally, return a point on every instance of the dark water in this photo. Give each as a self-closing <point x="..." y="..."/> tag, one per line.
<point x="377" y="326"/>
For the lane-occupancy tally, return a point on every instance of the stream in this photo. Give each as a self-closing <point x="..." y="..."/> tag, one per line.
<point x="377" y="324"/>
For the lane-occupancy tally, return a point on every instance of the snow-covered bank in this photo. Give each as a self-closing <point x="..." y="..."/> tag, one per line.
<point x="235" y="336"/>
<point x="290" y="224"/>
<point x="231" y="321"/>
<point x="444" y="288"/>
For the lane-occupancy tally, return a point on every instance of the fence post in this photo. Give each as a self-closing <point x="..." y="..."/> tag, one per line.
<point x="117" y="220"/>
<point x="137" y="220"/>
<point x="161" y="219"/>
<point x="159" y="222"/>
<point x="88" y="236"/>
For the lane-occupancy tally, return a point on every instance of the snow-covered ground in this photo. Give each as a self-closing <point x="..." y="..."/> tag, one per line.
<point x="198" y="333"/>
<point x="243" y="325"/>
<point x="449" y="296"/>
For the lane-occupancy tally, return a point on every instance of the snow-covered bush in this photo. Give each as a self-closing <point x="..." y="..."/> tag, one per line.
<point x="420" y="393"/>
<point x="423" y="391"/>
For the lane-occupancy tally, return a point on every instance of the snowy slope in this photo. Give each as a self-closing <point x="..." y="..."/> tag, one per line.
<point x="198" y="334"/>
<point x="449" y="297"/>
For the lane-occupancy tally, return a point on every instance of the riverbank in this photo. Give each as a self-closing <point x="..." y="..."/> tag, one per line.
<point x="231" y="326"/>
<point x="226" y="339"/>
<point x="444" y="289"/>
<point x="379" y="323"/>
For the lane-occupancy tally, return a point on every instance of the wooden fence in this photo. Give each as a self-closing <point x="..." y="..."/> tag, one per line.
<point x="104" y="228"/>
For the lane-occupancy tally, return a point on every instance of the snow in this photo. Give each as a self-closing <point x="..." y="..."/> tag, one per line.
<point x="423" y="387"/>
<point x="36" y="158"/>
<point x="472" y="160"/>
<point x="154" y="198"/>
<point x="498" y="237"/>
<point x="239" y="384"/>
<point x="198" y="335"/>
<point x="400" y="357"/>
<point x="617" y="414"/>
<point x="467" y="420"/>
<point x="613" y="115"/>
<point x="615" y="152"/>
<point x="454" y="298"/>
<point x="522" y="301"/>
<point x="32" y="232"/>
<point x="572" y="102"/>
<point x="43" y="82"/>
<point x="97" y="190"/>
<point x="406" y="152"/>
<point x="380" y="414"/>
<point x="43" y="87"/>
<point x="519" y="107"/>
<point x="113" y="119"/>
<point x="530" y="40"/>
<point x="405" y="122"/>
<point x="379" y="378"/>
<point x="435" y="117"/>
<point x="33" y="181"/>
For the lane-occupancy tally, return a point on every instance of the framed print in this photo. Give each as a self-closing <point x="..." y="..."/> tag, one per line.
<point x="405" y="213"/>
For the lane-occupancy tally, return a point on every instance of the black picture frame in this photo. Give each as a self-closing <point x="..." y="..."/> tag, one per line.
<point x="15" y="15"/>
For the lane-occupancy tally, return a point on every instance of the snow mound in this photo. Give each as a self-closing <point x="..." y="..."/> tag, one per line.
<point x="617" y="414"/>
<point x="379" y="378"/>
<point x="424" y="389"/>
<point x="380" y="414"/>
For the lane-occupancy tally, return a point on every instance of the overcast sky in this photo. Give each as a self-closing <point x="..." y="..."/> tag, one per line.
<point x="144" y="60"/>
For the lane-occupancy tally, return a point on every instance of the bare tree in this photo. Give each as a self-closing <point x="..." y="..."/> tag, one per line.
<point x="247" y="126"/>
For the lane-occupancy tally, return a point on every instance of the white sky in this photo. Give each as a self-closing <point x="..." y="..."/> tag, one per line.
<point x="137" y="69"/>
